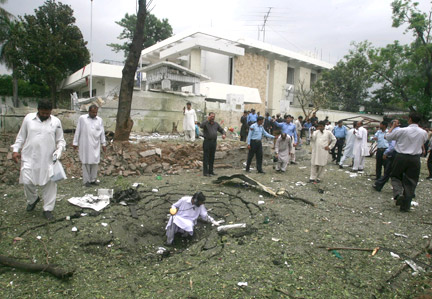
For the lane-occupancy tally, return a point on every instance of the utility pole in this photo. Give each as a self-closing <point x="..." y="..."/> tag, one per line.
<point x="265" y="21"/>
<point x="91" y="49"/>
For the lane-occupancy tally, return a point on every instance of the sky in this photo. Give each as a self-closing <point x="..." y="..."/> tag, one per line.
<point x="324" y="29"/>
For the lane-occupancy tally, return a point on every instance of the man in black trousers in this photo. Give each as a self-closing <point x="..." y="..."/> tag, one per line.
<point x="406" y="165"/>
<point x="210" y="129"/>
<point x="256" y="132"/>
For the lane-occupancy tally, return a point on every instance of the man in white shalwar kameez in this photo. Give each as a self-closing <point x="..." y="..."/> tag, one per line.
<point x="189" y="121"/>
<point x="321" y="142"/>
<point x="283" y="148"/>
<point x="41" y="142"/>
<point x="184" y="216"/>
<point x="89" y="136"/>
<point x="349" y="145"/>
<point x="360" y="149"/>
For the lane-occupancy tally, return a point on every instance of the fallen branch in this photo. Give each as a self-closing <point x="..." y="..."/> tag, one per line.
<point x="52" y="269"/>
<point x="286" y="293"/>
<point x="224" y="179"/>
<point x="427" y="222"/>
<point x="347" y="248"/>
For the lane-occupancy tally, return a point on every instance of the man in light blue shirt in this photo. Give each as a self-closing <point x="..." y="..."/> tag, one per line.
<point x="381" y="147"/>
<point x="252" y="117"/>
<point x="290" y="129"/>
<point x="340" y="132"/>
<point x="256" y="132"/>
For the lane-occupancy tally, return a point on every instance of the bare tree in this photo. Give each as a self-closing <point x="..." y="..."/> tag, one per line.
<point x="311" y="100"/>
<point x="124" y="122"/>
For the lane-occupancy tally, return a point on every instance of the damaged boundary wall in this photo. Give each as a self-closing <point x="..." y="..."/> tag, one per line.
<point x="151" y="112"/>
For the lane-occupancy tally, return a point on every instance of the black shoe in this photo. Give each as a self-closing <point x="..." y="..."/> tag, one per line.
<point x="294" y="163"/>
<point x="354" y="170"/>
<point x="206" y="174"/>
<point x="95" y="183"/>
<point x="311" y="181"/>
<point x="376" y="188"/>
<point x="48" y="215"/>
<point x="317" y="181"/>
<point x="212" y="173"/>
<point x="87" y="185"/>
<point x="260" y="171"/>
<point x="340" y="167"/>
<point x="429" y="178"/>
<point x="30" y="207"/>
<point x="404" y="210"/>
<point x="399" y="200"/>
<point x="247" y="170"/>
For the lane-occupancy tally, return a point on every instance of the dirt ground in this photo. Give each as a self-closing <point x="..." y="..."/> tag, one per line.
<point x="115" y="256"/>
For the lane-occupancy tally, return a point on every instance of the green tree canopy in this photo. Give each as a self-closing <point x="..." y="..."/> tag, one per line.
<point x="52" y="45"/>
<point x="155" y="30"/>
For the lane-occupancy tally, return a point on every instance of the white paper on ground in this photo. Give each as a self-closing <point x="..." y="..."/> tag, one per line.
<point x="88" y="201"/>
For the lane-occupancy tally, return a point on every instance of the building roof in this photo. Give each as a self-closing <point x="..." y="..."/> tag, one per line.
<point x="99" y="70"/>
<point x="175" y="47"/>
<point x="174" y="66"/>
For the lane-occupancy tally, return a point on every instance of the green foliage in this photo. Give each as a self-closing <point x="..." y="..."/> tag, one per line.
<point x="346" y="85"/>
<point x="52" y="45"/>
<point x="26" y="88"/>
<point x="155" y="30"/>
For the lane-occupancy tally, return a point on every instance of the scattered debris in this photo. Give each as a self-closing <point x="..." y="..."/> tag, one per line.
<point x="261" y="202"/>
<point x="247" y="179"/>
<point x="231" y="226"/>
<point x="242" y="284"/>
<point x="90" y="201"/>
<point x="394" y="255"/>
<point x="400" y="235"/>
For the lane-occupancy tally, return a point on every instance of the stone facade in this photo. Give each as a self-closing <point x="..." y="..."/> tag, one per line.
<point x="250" y="70"/>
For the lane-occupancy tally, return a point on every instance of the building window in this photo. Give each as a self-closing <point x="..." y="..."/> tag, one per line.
<point x="313" y="78"/>
<point x="290" y="75"/>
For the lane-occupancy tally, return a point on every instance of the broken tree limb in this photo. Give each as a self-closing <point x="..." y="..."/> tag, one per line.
<point x="348" y="248"/>
<point x="247" y="179"/>
<point x="52" y="269"/>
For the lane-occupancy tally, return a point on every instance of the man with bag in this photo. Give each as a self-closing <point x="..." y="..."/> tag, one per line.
<point x="41" y="142"/>
<point x="89" y="136"/>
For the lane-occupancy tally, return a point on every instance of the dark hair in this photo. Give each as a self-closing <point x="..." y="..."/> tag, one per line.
<point x="260" y="118"/>
<point x="199" y="196"/>
<point x="267" y="114"/>
<point x="45" y="105"/>
<point x="384" y="123"/>
<point x="300" y="117"/>
<point x="355" y="123"/>
<point x="415" y="117"/>
<point x="93" y="106"/>
<point x="245" y="111"/>
<point x="210" y="113"/>
<point x="189" y="103"/>
<point x="340" y="121"/>
<point x="322" y="123"/>
<point x="252" y="110"/>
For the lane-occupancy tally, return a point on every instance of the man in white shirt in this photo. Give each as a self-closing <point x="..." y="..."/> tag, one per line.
<point x="283" y="148"/>
<point x="406" y="165"/>
<point x="89" y="136"/>
<point x="349" y="146"/>
<point x="41" y="142"/>
<point x="360" y="149"/>
<point x="189" y="121"/>
<point x="322" y="142"/>
<point x="299" y="125"/>
<point x="184" y="216"/>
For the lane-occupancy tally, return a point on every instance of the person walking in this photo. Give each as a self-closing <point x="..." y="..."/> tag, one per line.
<point x="340" y="132"/>
<point x="388" y="157"/>
<point x="210" y="130"/>
<point x="360" y="149"/>
<point x="88" y="139"/>
<point x="322" y="142"/>
<point x="406" y="165"/>
<point x="382" y="145"/>
<point x="256" y="132"/>
<point x="41" y="142"/>
<point x="349" y="146"/>
<point x="189" y="121"/>
<point x="290" y="129"/>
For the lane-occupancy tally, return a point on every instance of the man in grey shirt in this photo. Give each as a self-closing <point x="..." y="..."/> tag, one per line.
<point x="210" y="130"/>
<point x="406" y="165"/>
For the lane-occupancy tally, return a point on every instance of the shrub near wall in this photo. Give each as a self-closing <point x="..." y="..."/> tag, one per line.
<point x="25" y="88"/>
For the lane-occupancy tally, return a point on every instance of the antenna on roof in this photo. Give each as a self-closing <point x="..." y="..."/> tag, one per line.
<point x="265" y="21"/>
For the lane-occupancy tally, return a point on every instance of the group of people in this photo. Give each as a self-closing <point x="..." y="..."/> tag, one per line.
<point x="40" y="142"/>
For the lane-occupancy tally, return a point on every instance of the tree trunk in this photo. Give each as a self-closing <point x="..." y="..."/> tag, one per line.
<point x="53" y="91"/>
<point x="15" y="89"/>
<point x="124" y="122"/>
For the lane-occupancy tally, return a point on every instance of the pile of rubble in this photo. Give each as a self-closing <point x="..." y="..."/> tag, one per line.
<point x="129" y="159"/>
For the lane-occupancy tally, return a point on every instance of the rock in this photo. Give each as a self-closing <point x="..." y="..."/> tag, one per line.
<point x="132" y="167"/>
<point x="148" y="153"/>
<point x="3" y="150"/>
<point x="144" y="165"/>
<point x="220" y="155"/>
<point x="158" y="152"/>
<point x="166" y="166"/>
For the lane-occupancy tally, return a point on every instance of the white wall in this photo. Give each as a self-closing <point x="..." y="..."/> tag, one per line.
<point x="216" y="66"/>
